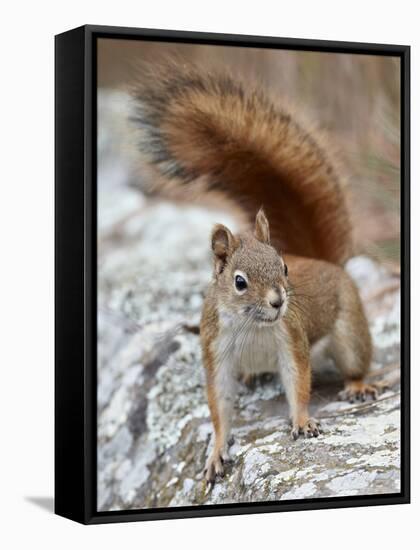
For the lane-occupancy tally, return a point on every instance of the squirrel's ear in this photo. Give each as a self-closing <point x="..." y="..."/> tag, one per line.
<point x="262" y="228"/>
<point x="223" y="243"/>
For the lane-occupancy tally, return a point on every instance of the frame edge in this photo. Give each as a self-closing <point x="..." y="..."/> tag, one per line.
<point x="70" y="449"/>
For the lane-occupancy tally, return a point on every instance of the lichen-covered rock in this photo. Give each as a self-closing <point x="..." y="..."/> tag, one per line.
<point x="153" y="421"/>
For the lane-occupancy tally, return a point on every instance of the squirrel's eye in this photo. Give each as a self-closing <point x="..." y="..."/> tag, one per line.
<point x="240" y="283"/>
<point x="286" y="271"/>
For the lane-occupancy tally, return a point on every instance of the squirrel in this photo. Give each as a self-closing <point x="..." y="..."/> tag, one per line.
<point x="279" y="287"/>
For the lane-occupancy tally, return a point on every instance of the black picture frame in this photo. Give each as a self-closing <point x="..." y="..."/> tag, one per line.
<point x="75" y="273"/>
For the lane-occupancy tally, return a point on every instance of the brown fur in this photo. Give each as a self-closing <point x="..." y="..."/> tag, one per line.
<point x="209" y="135"/>
<point x="322" y="302"/>
<point x="216" y="131"/>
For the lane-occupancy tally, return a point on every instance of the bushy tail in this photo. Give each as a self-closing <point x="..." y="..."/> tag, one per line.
<point x="207" y="127"/>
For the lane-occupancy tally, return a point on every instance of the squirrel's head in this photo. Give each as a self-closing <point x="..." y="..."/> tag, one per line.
<point x="250" y="274"/>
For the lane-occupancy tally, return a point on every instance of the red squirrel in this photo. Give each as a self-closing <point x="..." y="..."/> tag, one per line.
<point x="278" y="287"/>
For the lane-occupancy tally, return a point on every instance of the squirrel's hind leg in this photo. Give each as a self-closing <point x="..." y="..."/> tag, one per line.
<point x="351" y="348"/>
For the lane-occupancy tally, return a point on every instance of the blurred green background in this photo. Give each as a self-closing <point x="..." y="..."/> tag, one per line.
<point x="354" y="99"/>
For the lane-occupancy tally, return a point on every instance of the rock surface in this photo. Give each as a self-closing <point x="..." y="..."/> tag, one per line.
<point x="154" y="428"/>
<point x="153" y="421"/>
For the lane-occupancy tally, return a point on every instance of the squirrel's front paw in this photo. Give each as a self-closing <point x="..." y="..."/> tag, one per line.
<point x="309" y="428"/>
<point x="214" y="467"/>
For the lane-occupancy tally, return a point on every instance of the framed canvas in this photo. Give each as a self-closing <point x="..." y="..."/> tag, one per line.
<point x="232" y="274"/>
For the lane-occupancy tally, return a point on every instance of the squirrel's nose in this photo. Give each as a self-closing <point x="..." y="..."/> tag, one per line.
<point x="277" y="303"/>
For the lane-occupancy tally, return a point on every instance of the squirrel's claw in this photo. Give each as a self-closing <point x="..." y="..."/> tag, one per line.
<point x="214" y="468"/>
<point x="359" y="391"/>
<point x="311" y="428"/>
